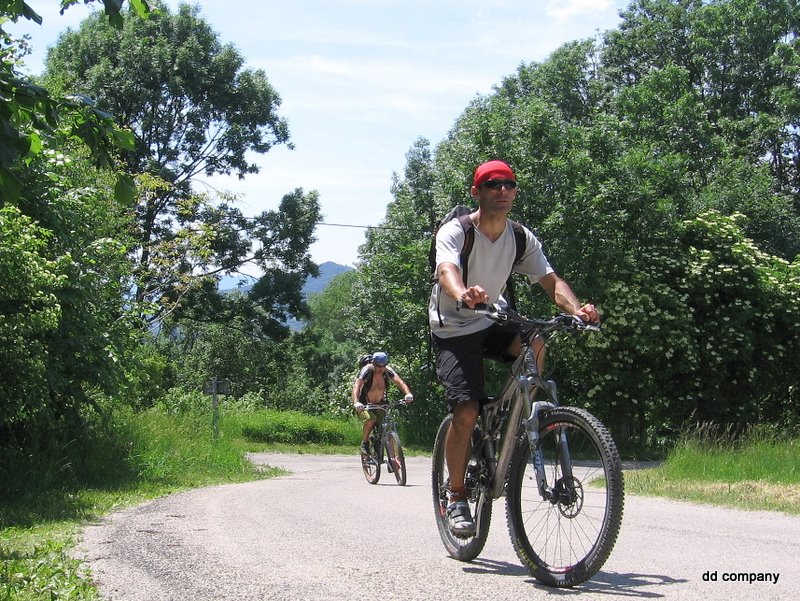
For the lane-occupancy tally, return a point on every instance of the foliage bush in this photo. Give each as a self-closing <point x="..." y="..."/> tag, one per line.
<point x="179" y="401"/>
<point x="30" y="313"/>
<point x="65" y="458"/>
<point x="294" y="427"/>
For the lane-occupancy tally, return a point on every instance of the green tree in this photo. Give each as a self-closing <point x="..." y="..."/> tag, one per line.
<point x="741" y="57"/>
<point x="630" y="169"/>
<point x="30" y="114"/>
<point x="63" y="315"/>
<point x="394" y="280"/>
<point x="194" y="110"/>
<point x="568" y="80"/>
<point x="75" y="272"/>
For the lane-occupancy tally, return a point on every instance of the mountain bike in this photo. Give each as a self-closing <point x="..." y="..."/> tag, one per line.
<point x="558" y="468"/>
<point x="384" y="442"/>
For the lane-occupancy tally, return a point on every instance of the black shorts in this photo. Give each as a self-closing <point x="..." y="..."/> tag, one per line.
<point x="459" y="361"/>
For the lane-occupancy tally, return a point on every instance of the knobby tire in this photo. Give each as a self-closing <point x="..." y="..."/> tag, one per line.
<point x="371" y="463"/>
<point x="566" y="542"/>
<point x="396" y="457"/>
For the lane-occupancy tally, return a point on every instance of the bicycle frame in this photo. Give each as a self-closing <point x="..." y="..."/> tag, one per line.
<point x="388" y="424"/>
<point x="516" y="401"/>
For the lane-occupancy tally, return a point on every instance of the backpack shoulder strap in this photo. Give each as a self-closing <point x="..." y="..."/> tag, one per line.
<point x="469" y="241"/>
<point x="520" y="239"/>
<point x="369" y="372"/>
<point x="367" y="377"/>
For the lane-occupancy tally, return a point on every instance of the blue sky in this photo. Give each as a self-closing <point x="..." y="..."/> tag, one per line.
<point x="361" y="80"/>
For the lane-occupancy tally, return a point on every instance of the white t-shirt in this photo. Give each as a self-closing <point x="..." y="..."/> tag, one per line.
<point x="489" y="265"/>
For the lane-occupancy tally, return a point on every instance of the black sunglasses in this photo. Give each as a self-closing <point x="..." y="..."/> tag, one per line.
<point x="496" y="184"/>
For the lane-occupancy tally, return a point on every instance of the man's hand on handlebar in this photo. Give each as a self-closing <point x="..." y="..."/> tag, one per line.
<point x="358" y="407"/>
<point x="588" y="312"/>
<point x="409" y="398"/>
<point x="472" y="296"/>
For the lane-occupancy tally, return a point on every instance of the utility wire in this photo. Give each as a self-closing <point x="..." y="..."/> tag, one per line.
<point x="368" y="227"/>
<point x="364" y="227"/>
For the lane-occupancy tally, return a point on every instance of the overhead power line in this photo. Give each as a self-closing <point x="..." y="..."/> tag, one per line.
<point x="367" y="227"/>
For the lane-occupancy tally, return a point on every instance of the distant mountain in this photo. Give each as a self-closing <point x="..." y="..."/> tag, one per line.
<point x="327" y="271"/>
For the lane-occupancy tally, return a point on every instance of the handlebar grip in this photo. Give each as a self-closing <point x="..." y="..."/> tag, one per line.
<point x="478" y="306"/>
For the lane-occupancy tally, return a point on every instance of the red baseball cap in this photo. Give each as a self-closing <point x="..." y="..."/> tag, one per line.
<point x="492" y="170"/>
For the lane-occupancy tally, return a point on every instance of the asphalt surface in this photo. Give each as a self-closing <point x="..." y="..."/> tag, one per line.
<point x="324" y="533"/>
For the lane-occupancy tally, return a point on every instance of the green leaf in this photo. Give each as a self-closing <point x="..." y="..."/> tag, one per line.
<point x="124" y="139"/>
<point x="125" y="189"/>
<point x="36" y="143"/>
<point x="141" y="7"/>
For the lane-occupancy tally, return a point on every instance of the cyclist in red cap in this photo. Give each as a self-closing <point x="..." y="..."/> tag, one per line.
<point x="462" y="341"/>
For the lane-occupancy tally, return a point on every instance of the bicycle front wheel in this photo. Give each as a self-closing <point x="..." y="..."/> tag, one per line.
<point x="371" y="462"/>
<point x="480" y="503"/>
<point x="396" y="457"/>
<point x="565" y="539"/>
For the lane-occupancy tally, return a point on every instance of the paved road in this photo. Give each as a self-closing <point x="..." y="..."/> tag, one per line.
<point x="323" y="533"/>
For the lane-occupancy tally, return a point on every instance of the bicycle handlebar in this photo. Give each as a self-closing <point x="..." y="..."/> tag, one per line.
<point x="385" y="406"/>
<point x="562" y="321"/>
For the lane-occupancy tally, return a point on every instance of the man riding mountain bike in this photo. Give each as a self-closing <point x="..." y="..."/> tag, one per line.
<point x="461" y="340"/>
<point x="370" y="388"/>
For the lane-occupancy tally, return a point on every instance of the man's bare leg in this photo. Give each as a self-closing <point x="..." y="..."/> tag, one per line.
<point x="456" y="449"/>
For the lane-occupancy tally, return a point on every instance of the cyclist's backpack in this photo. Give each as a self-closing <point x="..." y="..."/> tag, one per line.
<point x="462" y="213"/>
<point x="363" y="360"/>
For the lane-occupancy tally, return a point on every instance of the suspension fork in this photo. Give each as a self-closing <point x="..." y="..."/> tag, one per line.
<point x="562" y="446"/>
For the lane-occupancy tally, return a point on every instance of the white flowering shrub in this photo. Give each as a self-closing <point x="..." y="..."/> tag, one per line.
<point x="706" y="330"/>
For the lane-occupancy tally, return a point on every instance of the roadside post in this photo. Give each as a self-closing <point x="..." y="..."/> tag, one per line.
<point x="215" y="387"/>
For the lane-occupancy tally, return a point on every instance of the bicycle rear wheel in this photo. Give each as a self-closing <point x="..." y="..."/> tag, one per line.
<point x="371" y="463"/>
<point x="480" y="504"/>
<point x="396" y="457"/>
<point x="566" y="540"/>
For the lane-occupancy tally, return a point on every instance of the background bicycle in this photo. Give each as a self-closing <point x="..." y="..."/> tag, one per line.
<point x="558" y="468"/>
<point x="384" y="445"/>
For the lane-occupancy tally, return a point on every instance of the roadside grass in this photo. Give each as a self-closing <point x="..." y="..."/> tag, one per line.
<point x="295" y="432"/>
<point x="757" y="471"/>
<point x="270" y="429"/>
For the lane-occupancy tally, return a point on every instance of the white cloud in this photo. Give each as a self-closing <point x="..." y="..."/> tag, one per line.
<point x="361" y="84"/>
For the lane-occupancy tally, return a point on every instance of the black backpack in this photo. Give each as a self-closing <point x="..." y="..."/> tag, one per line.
<point x="462" y="213"/>
<point x="363" y="360"/>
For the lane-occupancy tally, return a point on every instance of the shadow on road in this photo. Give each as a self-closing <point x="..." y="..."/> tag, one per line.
<point x="502" y="568"/>
<point x="615" y="584"/>
<point x="606" y="583"/>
